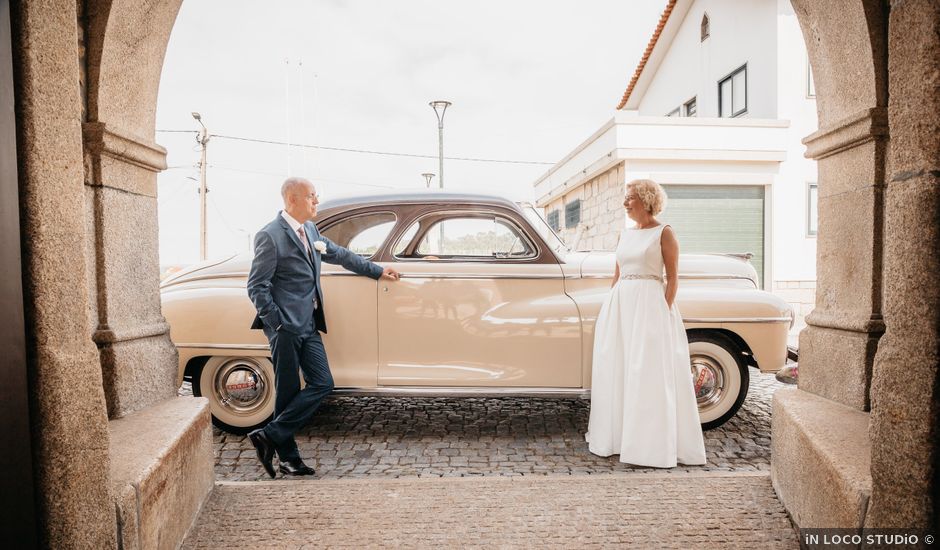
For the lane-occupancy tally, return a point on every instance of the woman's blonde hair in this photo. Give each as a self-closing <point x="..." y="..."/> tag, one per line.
<point x="650" y="194"/>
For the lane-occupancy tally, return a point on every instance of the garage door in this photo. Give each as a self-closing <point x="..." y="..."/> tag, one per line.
<point x="718" y="218"/>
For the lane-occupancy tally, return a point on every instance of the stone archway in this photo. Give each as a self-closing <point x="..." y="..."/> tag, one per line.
<point x="120" y="461"/>
<point x="855" y="445"/>
<point x="101" y="365"/>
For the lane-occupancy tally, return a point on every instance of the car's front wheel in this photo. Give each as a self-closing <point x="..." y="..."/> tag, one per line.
<point x="720" y="378"/>
<point x="240" y="391"/>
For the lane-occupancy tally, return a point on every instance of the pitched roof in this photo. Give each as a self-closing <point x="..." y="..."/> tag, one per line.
<point x="646" y="54"/>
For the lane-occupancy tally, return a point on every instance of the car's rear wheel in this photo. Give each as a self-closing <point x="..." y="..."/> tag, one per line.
<point x="720" y="378"/>
<point x="240" y="391"/>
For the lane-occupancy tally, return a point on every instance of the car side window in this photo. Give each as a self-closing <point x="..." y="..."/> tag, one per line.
<point x="362" y="234"/>
<point x="473" y="237"/>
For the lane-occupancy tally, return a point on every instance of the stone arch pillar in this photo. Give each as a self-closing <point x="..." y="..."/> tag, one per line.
<point x="120" y="461"/>
<point x="855" y="445"/>
<point x="905" y="387"/>
<point x="820" y="455"/>
<point x="126" y="42"/>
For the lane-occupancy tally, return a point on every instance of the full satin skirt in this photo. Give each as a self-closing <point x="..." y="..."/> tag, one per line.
<point x="642" y="401"/>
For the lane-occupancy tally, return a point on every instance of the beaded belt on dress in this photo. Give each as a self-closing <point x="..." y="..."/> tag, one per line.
<point x="633" y="276"/>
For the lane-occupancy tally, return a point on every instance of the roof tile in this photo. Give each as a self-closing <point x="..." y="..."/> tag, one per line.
<point x="649" y="50"/>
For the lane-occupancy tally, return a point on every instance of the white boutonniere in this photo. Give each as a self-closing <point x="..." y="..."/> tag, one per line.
<point x="320" y="246"/>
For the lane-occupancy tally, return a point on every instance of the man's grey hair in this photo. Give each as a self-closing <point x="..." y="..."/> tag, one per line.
<point x="290" y="185"/>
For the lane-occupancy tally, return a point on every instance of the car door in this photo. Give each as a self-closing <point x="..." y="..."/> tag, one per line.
<point x="350" y="299"/>
<point x="477" y="306"/>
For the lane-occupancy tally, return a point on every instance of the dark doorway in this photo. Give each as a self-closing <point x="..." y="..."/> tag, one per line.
<point x="17" y="519"/>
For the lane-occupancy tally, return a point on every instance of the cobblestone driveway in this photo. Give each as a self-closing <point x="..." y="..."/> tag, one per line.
<point x="354" y="437"/>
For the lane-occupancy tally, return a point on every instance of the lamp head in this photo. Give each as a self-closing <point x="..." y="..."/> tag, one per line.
<point x="442" y="105"/>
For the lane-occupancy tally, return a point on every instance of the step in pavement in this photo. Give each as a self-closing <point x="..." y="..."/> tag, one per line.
<point x="624" y="510"/>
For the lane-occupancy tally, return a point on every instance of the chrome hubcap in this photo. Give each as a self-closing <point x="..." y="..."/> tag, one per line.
<point x="240" y="386"/>
<point x="708" y="378"/>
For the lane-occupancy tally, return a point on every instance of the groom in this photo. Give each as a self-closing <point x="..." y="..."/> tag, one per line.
<point x="284" y="285"/>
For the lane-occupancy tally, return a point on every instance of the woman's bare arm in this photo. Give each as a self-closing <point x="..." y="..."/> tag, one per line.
<point x="670" y="248"/>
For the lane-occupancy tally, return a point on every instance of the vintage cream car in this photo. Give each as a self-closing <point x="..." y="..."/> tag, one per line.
<point x="490" y="303"/>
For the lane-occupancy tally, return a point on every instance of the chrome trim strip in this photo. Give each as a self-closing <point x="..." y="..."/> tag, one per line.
<point x="345" y="273"/>
<point x="251" y="347"/>
<point x="701" y="276"/>
<point x="476" y="276"/>
<point x="426" y="391"/>
<point x="232" y="275"/>
<point x="737" y="320"/>
<point x="342" y="273"/>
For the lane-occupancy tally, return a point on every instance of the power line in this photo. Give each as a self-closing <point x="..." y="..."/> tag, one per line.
<point x="366" y="151"/>
<point x="314" y="178"/>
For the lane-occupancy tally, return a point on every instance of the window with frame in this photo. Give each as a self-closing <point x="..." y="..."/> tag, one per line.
<point x="691" y="107"/>
<point x="674" y="112"/>
<point x="812" y="209"/>
<point x="554" y="220"/>
<point x="810" y="83"/>
<point x="706" y="27"/>
<point x="732" y="93"/>
<point x="362" y="234"/>
<point x="470" y="238"/>
<point x="573" y="213"/>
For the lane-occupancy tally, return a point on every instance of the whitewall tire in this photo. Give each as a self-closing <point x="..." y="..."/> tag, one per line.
<point x="720" y="378"/>
<point x="240" y="391"/>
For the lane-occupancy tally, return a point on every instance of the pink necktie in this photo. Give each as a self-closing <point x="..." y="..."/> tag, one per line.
<point x="303" y="239"/>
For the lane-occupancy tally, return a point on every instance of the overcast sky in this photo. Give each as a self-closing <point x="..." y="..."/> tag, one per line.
<point x="529" y="81"/>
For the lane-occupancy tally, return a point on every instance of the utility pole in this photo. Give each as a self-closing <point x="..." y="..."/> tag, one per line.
<point x="202" y="140"/>
<point x="442" y="105"/>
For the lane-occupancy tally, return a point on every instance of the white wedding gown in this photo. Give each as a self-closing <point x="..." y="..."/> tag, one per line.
<point x="642" y="403"/>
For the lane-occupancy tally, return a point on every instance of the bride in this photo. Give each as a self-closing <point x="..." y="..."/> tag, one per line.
<point x="642" y="403"/>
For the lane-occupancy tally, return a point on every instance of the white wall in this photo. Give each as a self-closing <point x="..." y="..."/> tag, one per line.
<point x="794" y="250"/>
<point x="741" y="32"/>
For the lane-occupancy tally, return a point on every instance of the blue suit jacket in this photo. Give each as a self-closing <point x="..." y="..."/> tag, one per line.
<point x="283" y="280"/>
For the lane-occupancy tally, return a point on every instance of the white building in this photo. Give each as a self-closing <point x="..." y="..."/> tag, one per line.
<point x="715" y="112"/>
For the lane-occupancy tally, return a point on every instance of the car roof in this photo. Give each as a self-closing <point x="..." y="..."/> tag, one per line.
<point x="423" y="197"/>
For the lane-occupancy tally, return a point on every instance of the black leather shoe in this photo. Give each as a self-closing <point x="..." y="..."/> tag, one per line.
<point x="265" y="449"/>
<point x="295" y="467"/>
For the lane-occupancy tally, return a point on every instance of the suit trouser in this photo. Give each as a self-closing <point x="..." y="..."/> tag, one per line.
<point x="294" y="407"/>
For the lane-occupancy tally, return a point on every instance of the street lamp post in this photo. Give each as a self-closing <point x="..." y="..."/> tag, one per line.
<point x="427" y="176"/>
<point x="440" y="107"/>
<point x="202" y="140"/>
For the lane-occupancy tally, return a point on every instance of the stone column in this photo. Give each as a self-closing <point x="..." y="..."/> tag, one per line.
<point x="838" y="345"/>
<point x="70" y="428"/>
<point x="904" y="401"/>
<point x="137" y="358"/>
<point x="820" y="450"/>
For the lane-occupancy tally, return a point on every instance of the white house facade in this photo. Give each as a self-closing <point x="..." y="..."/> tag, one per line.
<point x="715" y="112"/>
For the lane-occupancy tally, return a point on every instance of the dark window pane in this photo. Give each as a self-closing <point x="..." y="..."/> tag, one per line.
<point x="738" y="92"/>
<point x="554" y="220"/>
<point x="725" y="98"/>
<point x="812" y="214"/>
<point x="573" y="213"/>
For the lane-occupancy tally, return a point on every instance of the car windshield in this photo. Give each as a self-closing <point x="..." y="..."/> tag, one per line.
<point x="545" y="231"/>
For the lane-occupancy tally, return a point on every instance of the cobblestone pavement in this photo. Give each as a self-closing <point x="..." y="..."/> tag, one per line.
<point x="390" y="437"/>
<point x="692" y="510"/>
